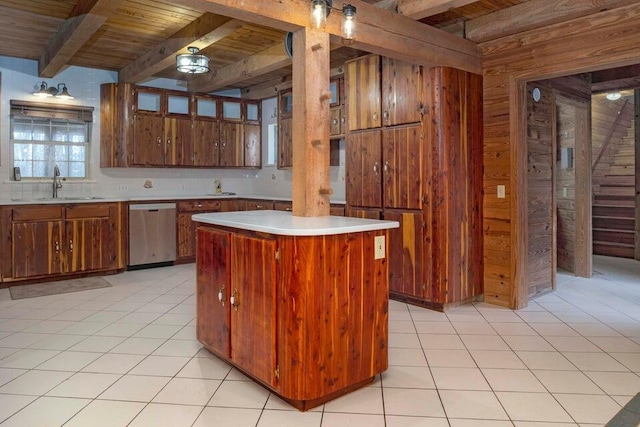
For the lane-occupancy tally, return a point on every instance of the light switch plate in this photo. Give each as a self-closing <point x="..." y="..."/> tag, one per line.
<point x="501" y="192"/>
<point x="380" y="247"/>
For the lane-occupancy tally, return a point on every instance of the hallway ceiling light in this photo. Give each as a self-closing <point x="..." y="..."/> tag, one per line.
<point x="613" y="96"/>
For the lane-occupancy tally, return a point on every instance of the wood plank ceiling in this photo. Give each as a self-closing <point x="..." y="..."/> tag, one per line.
<point x="140" y="38"/>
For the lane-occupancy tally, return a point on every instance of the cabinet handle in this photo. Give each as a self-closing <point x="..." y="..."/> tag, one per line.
<point x="288" y="209"/>
<point x="258" y="206"/>
<point x="224" y="144"/>
<point x="343" y="120"/>
<point x="234" y="300"/>
<point x="215" y="145"/>
<point x="385" y="115"/>
<point x="198" y="205"/>
<point x="168" y="141"/>
<point x="386" y="167"/>
<point x="375" y="168"/>
<point x="221" y="295"/>
<point x="70" y="245"/>
<point x="159" y="141"/>
<point x="375" y="117"/>
<point x="335" y="122"/>
<point x="57" y="246"/>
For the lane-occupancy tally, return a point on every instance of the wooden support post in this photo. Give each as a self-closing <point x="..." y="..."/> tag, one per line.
<point x="636" y="100"/>
<point x="310" y="123"/>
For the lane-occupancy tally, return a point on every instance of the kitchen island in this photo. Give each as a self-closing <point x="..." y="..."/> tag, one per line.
<point x="298" y="304"/>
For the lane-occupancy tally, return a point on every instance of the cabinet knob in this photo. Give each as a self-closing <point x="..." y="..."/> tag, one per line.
<point x="335" y="122"/>
<point x="375" y="117"/>
<point x="168" y="141"/>
<point x="159" y="141"/>
<point x="57" y="246"/>
<point x="385" y="115"/>
<point x="375" y="168"/>
<point x="199" y="205"/>
<point x="386" y="167"/>
<point x="70" y="245"/>
<point x="221" y="295"/>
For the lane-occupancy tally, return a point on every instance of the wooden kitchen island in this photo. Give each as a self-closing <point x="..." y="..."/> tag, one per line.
<point x="298" y="304"/>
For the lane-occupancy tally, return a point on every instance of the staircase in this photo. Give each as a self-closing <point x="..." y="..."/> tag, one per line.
<point x="614" y="225"/>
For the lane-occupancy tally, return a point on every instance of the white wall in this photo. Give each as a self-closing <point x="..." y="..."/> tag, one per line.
<point x="19" y="79"/>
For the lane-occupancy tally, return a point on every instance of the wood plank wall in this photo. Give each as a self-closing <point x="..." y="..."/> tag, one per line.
<point x="565" y="187"/>
<point x="540" y="188"/>
<point x="608" y="39"/>
<point x="637" y="138"/>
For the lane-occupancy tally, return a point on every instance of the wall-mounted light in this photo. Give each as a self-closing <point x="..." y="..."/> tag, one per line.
<point x="192" y="62"/>
<point x="320" y="9"/>
<point x="60" y="91"/>
<point x="613" y="96"/>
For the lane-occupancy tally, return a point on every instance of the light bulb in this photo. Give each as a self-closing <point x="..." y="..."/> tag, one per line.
<point x="349" y="22"/>
<point x="318" y="14"/>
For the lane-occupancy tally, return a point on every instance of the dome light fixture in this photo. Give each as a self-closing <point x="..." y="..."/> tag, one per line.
<point x="192" y="62"/>
<point x="613" y="96"/>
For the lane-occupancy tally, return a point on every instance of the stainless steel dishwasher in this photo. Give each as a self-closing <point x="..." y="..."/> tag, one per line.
<point x="152" y="233"/>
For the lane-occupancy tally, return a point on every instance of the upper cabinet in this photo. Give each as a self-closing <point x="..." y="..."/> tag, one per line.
<point x="150" y="127"/>
<point x="382" y="92"/>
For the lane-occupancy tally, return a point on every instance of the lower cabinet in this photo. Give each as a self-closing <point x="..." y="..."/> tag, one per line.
<point x="186" y="246"/>
<point x="306" y="329"/>
<point x="46" y="240"/>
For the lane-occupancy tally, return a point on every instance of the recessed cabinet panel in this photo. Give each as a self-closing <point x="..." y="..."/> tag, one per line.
<point x="362" y="78"/>
<point x="206" y="107"/>
<point x="178" y="104"/>
<point x="149" y="101"/>
<point x="364" y="169"/>
<point x="231" y="110"/>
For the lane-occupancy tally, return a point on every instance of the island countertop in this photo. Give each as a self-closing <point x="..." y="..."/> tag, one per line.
<point x="285" y="224"/>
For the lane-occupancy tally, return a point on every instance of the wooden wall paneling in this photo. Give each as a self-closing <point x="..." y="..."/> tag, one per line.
<point x="637" y="168"/>
<point x="565" y="188"/>
<point x="606" y="39"/>
<point x="541" y="147"/>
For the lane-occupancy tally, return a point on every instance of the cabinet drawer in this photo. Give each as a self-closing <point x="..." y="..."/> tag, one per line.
<point x="256" y="205"/>
<point x="336" y="210"/>
<point x="87" y="211"/>
<point x="199" y="205"/>
<point x="282" y="206"/>
<point x="35" y="213"/>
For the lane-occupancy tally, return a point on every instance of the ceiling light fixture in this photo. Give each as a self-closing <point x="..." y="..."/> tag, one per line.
<point x="60" y="91"/>
<point x="320" y="9"/>
<point x="613" y="96"/>
<point x="192" y="62"/>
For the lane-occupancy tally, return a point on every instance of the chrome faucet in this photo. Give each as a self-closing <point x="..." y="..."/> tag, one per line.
<point x="56" y="181"/>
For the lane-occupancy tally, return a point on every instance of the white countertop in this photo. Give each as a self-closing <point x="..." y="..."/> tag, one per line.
<point x="66" y="200"/>
<point x="285" y="224"/>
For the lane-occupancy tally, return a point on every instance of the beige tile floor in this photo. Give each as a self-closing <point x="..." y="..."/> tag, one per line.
<point x="127" y="356"/>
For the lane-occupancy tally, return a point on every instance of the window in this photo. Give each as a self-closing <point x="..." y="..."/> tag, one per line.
<point x="43" y="136"/>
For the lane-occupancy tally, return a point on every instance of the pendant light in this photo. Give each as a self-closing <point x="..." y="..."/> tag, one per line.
<point x="192" y="62"/>
<point x="320" y="9"/>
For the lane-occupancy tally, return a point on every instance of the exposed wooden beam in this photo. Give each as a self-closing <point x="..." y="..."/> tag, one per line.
<point x="391" y="5"/>
<point x="85" y="19"/>
<point x="203" y="32"/>
<point x="379" y="31"/>
<point x="418" y="9"/>
<point x="535" y="14"/>
<point x="268" y="60"/>
<point x="270" y="89"/>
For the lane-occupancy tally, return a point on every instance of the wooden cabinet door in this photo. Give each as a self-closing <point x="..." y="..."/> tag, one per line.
<point x="148" y="144"/>
<point x="405" y="253"/>
<point x="89" y="237"/>
<point x="402" y="168"/>
<point x="252" y="150"/>
<point x="285" y="143"/>
<point x="206" y="137"/>
<point x="231" y="147"/>
<point x="362" y="79"/>
<point x="401" y="92"/>
<point x="36" y="248"/>
<point x="212" y="281"/>
<point x="177" y="138"/>
<point x="364" y="169"/>
<point x="253" y="316"/>
<point x="186" y="235"/>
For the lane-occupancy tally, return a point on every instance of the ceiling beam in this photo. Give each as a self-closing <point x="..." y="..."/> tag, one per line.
<point x="271" y="88"/>
<point x="85" y="19"/>
<point x="391" y="5"/>
<point x="379" y="31"/>
<point x="534" y="14"/>
<point x="268" y="60"/>
<point x="201" y="33"/>
<point x="418" y="9"/>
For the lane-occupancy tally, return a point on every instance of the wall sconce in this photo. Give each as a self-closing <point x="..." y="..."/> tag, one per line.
<point x="192" y="62"/>
<point x="47" y="91"/>
<point x="320" y="9"/>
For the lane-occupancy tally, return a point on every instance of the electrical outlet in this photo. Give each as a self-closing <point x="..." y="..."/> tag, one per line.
<point x="501" y="192"/>
<point x="379" y="247"/>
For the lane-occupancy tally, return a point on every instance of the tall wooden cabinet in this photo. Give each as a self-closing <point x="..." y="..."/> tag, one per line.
<point x="413" y="155"/>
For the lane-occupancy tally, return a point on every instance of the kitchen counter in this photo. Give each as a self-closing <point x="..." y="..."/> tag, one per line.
<point x="66" y="200"/>
<point x="284" y="224"/>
